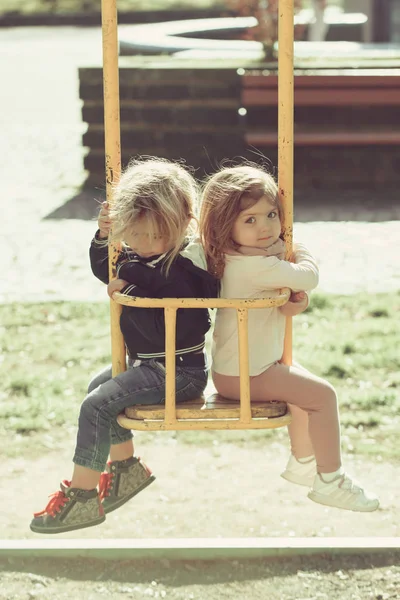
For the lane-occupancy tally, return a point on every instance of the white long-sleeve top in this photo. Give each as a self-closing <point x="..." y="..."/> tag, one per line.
<point x="257" y="277"/>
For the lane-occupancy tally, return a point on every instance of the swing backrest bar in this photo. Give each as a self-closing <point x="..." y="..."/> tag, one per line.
<point x="170" y="306"/>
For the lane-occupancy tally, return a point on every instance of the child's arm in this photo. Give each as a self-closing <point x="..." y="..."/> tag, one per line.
<point x="277" y="249"/>
<point x="150" y="322"/>
<point x="116" y="285"/>
<point x="124" y="287"/>
<point x="129" y="270"/>
<point x="139" y="274"/>
<point x="104" y="221"/>
<point x="272" y="273"/>
<point x="98" y="253"/>
<point x="297" y="303"/>
<point x="98" y="248"/>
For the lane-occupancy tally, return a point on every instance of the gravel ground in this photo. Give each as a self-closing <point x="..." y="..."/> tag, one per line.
<point x="359" y="577"/>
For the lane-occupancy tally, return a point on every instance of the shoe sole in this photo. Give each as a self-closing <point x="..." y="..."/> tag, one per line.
<point x="122" y="501"/>
<point x="69" y="528"/>
<point x="297" y="480"/>
<point x="320" y="499"/>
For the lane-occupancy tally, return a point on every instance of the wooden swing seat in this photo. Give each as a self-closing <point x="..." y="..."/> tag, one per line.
<point x="212" y="412"/>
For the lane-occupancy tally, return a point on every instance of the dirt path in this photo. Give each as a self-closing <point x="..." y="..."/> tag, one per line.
<point x="360" y="577"/>
<point x="216" y="490"/>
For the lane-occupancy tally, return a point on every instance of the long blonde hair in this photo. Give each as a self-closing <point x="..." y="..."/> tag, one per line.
<point x="163" y="193"/>
<point x="225" y="195"/>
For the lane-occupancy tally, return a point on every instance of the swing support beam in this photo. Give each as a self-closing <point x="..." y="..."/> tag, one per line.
<point x="285" y="137"/>
<point x="112" y="136"/>
<point x="245" y="420"/>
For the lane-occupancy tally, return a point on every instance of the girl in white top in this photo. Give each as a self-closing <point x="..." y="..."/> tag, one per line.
<point x="241" y="230"/>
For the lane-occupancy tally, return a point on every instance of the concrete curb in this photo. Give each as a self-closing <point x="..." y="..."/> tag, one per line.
<point x="196" y="548"/>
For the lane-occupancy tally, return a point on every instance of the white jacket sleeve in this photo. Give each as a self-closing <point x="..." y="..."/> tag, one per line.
<point x="273" y="273"/>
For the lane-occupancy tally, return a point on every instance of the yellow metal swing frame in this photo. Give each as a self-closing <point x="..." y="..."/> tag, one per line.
<point x="215" y="412"/>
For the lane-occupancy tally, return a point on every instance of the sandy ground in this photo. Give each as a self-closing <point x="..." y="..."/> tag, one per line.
<point x="217" y="490"/>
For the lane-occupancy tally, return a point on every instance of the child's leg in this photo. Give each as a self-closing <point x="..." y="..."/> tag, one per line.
<point x="331" y="487"/>
<point x="75" y="508"/>
<point x="144" y="384"/>
<point x="78" y="504"/>
<point x="306" y="391"/>
<point x="301" y="466"/>
<point x="84" y="479"/>
<point x="100" y="377"/>
<point x="97" y="425"/>
<point x="99" y="432"/>
<point x="300" y="440"/>
<point x="119" y="450"/>
<point x="88" y="479"/>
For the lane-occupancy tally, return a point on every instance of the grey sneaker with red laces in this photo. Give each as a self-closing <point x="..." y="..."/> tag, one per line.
<point x="122" y="480"/>
<point x="69" y="509"/>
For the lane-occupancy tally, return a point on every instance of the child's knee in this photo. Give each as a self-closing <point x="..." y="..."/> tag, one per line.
<point x="92" y="385"/>
<point x="92" y="404"/>
<point x="330" y="395"/>
<point x="98" y="379"/>
<point x="87" y="408"/>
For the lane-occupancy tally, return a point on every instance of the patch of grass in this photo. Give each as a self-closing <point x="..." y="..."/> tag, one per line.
<point x="349" y="349"/>
<point x="50" y="351"/>
<point x="336" y="371"/>
<point x="319" y="302"/>
<point x="377" y="313"/>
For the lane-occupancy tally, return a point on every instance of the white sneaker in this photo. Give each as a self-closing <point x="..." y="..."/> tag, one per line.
<point x="302" y="473"/>
<point x="344" y="493"/>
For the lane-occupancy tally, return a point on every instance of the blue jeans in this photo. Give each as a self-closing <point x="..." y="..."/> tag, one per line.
<point x="108" y="397"/>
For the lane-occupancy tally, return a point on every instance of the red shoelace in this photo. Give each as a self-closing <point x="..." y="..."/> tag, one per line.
<point x="105" y="484"/>
<point x="57" y="501"/>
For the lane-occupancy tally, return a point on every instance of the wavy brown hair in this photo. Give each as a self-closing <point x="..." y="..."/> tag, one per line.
<point x="225" y="195"/>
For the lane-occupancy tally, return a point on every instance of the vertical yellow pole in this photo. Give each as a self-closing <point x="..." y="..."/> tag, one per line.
<point x="285" y="136"/>
<point x="113" y="156"/>
<point x="245" y="407"/>
<point x="170" y="346"/>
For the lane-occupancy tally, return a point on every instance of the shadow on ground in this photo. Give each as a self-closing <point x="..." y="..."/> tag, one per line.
<point x="180" y="573"/>
<point x="310" y="205"/>
<point x="83" y="206"/>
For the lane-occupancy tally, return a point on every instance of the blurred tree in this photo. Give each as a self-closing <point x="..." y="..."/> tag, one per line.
<point x="266" y="13"/>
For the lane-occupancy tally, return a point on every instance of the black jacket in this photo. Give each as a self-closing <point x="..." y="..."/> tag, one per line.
<point x="143" y="328"/>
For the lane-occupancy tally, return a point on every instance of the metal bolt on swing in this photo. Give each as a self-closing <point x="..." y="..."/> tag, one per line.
<point x="214" y="412"/>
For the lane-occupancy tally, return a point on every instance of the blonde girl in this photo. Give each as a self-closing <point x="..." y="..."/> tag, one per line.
<point x="240" y="225"/>
<point x="152" y="215"/>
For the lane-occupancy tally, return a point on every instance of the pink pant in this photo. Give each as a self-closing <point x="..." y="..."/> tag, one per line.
<point x="315" y="425"/>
